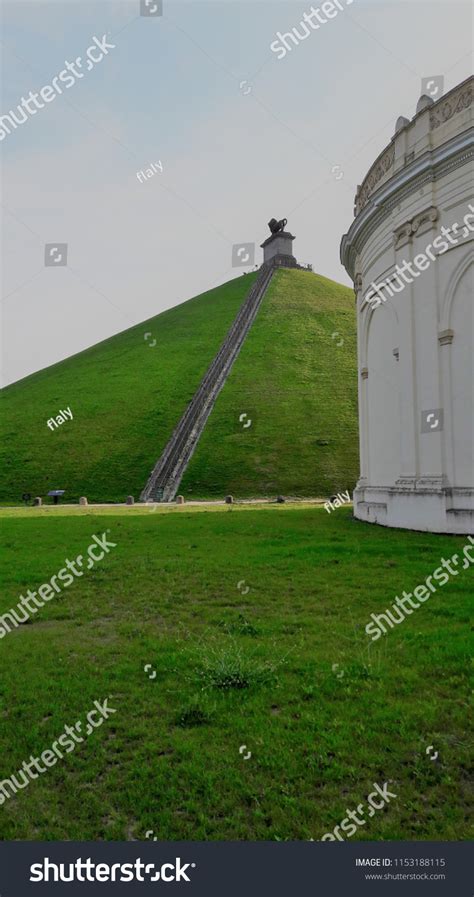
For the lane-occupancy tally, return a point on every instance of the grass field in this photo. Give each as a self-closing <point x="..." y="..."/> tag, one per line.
<point x="243" y="615"/>
<point x="126" y="395"/>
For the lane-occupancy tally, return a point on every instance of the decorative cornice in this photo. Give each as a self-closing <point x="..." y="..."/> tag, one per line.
<point x="459" y="99"/>
<point x="416" y="172"/>
<point x="379" y="169"/>
<point x="430" y="167"/>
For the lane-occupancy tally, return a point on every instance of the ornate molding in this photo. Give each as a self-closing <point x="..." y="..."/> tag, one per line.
<point x="379" y="169"/>
<point x="427" y="169"/>
<point x="458" y="100"/>
<point x="427" y="216"/>
<point x="406" y="482"/>
<point x="445" y="337"/>
<point x="431" y="483"/>
<point x="404" y="233"/>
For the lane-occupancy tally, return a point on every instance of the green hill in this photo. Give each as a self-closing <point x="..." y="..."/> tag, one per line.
<point x="126" y="396"/>
<point x="298" y="387"/>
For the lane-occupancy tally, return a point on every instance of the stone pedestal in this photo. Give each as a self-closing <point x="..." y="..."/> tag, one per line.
<point x="278" y="250"/>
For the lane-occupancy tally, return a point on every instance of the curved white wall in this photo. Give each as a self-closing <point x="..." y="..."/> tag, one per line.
<point x="412" y="236"/>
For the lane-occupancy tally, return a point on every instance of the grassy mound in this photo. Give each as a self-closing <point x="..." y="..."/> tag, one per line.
<point x="126" y="396"/>
<point x="295" y="379"/>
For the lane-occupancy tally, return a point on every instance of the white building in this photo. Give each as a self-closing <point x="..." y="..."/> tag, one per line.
<point x="409" y="251"/>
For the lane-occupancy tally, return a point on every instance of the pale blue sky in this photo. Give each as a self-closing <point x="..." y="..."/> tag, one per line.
<point x="170" y="91"/>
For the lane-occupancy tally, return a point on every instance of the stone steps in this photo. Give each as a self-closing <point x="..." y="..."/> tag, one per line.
<point x="167" y="474"/>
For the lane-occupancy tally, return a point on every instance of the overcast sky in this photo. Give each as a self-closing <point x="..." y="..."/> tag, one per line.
<point x="241" y="134"/>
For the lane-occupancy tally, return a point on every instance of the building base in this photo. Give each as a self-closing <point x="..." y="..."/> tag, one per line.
<point x="429" y="509"/>
<point x="282" y="261"/>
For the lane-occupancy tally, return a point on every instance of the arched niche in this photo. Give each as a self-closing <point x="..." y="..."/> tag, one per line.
<point x="380" y="338"/>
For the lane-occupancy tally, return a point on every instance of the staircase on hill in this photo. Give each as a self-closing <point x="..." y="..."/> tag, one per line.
<point x="166" y="476"/>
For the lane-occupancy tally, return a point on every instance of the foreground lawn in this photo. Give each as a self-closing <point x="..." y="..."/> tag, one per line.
<point x="253" y="622"/>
